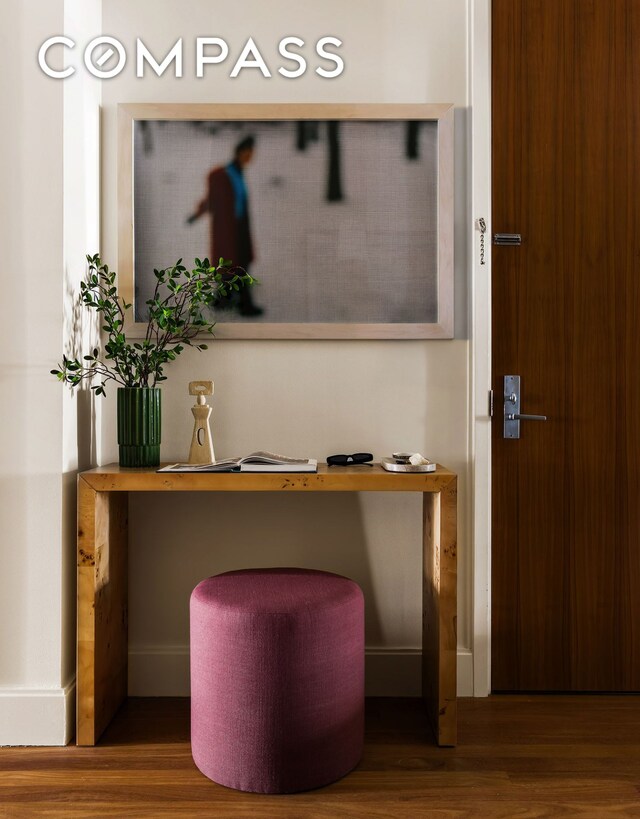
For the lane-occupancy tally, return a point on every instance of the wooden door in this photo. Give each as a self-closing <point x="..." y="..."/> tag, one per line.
<point x="566" y="319"/>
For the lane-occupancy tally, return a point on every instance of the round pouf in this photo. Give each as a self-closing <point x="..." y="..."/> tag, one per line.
<point x="277" y="678"/>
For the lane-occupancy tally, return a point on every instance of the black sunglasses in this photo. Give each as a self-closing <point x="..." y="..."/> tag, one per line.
<point x="359" y="458"/>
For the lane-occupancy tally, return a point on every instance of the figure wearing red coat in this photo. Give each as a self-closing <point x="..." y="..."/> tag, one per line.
<point x="226" y="202"/>
<point x="230" y="236"/>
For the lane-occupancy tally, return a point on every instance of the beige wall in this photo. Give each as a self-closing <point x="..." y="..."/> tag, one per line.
<point x="30" y="441"/>
<point x="301" y="397"/>
<point x="80" y="331"/>
<point x="48" y="211"/>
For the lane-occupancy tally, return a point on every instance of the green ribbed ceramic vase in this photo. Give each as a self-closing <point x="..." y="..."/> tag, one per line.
<point x="139" y="421"/>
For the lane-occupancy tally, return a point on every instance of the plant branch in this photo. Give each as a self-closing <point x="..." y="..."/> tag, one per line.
<point x="175" y="319"/>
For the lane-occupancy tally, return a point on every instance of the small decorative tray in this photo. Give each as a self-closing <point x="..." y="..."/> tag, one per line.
<point x="392" y="466"/>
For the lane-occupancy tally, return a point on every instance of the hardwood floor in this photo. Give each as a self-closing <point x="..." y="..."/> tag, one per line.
<point x="518" y="756"/>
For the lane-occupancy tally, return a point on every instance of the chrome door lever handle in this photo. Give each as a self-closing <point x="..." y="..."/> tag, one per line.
<point x="512" y="403"/>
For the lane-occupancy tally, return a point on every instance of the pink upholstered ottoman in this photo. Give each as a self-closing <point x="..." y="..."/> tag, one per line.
<point x="277" y="678"/>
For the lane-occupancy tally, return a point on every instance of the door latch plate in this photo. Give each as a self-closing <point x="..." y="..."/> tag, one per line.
<point x="507" y="239"/>
<point x="511" y="406"/>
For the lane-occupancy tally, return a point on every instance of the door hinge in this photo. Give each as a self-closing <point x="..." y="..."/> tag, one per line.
<point x="490" y="403"/>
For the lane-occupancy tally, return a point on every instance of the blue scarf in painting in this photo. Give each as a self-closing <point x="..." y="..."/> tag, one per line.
<point x="239" y="189"/>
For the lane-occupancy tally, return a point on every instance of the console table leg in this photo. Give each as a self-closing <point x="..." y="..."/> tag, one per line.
<point x="439" y="612"/>
<point x="101" y="679"/>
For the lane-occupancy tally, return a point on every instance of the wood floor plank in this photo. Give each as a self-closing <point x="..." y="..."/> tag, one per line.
<point x="497" y="808"/>
<point x="518" y="757"/>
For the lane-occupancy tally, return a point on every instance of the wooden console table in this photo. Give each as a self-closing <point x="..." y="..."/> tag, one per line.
<point x="103" y="567"/>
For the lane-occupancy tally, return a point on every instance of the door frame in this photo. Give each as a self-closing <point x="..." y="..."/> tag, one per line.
<point x="479" y="79"/>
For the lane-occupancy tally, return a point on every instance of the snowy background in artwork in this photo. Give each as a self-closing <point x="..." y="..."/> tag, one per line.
<point x="367" y="259"/>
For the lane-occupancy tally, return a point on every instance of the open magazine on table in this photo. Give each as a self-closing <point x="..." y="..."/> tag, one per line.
<point x="255" y="462"/>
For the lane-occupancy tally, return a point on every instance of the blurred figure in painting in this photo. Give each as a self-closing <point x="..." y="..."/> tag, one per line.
<point x="227" y="203"/>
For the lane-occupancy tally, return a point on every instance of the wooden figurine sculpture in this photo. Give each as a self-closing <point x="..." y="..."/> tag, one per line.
<point x="201" y="451"/>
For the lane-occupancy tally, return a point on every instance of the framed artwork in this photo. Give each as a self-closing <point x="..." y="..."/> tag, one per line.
<point x="343" y="213"/>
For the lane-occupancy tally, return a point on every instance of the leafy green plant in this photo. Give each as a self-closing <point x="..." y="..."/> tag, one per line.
<point x="176" y="317"/>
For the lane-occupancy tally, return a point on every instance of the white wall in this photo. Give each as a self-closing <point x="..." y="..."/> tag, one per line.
<point x="81" y="230"/>
<point x="30" y="440"/>
<point x="41" y="431"/>
<point x="303" y="397"/>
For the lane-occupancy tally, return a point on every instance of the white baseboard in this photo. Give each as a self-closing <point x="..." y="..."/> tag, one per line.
<point x="37" y="716"/>
<point x="163" y="671"/>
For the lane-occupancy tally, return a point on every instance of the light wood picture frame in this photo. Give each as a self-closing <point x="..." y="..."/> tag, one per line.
<point x="141" y="198"/>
